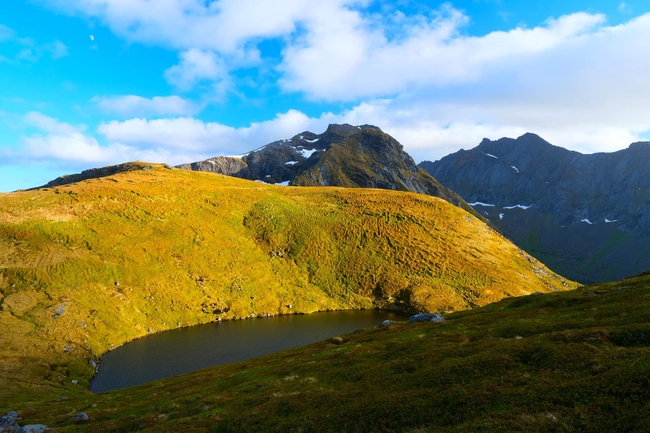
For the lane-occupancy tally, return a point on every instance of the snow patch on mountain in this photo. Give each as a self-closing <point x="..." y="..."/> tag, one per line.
<point x="515" y="168"/>
<point x="520" y="206"/>
<point x="307" y="153"/>
<point x="478" y="203"/>
<point x="586" y="221"/>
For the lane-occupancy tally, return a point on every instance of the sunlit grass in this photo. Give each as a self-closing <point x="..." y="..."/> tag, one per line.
<point x="148" y="250"/>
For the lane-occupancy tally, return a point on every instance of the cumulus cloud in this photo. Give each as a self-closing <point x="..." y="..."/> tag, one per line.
<point x="50" y="124"/>
<point x="6" y="33"/>
<point x="431" y="54"/>
<point x="57" y="49"/>
<point x="64" y="145"/>
<point x="223" y="26"/>
<point x="187" y="137"/>
<point x="133" y="105"/>
<point x="62" y="141"/>
<point x="196" y="66"/>
<point x="29" y="50"/>
<point x="574" y="80"/>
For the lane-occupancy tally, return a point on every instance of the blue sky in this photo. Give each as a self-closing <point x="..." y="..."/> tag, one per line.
<point x="88" y="83"/>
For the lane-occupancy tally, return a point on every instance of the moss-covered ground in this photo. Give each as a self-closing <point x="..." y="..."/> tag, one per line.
<point x="89" y="266"/>
<point x="575" y="361"/>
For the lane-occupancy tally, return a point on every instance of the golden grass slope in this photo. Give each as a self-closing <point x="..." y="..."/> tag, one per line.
<point x="149" y="250"/>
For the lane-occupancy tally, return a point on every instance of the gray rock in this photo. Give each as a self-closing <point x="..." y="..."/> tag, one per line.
<point x="68" y="349"/>
<point x="11" y="416"/>
<point x="336" y="340"/>
<point x="427" y="317"/>
<point x="81" y="416"/>
<point x="60" y="310"/>
<point x="92" y="363"/>
<point x="34" y="428"/>
<point x="386" y="323"/>
<point x="8" y="422"/>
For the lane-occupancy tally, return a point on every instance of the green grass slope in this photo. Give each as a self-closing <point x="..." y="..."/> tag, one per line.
<point x="88" y="266"/>
<point x="576" y="361"/>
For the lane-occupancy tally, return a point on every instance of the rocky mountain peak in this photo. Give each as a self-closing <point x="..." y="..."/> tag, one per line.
<point x="344" y="155"/>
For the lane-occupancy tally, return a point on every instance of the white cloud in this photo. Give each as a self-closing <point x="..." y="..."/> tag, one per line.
<point x="343" y="60"/>
<point x="223" y="26"/>
<point x="57" y="49"/>
<point x="195" y="66"/>
<point x="61" y="144"/>
<point x="133" y="105"/>
<point x="186" y="137"/>
<point x="574" y="80"/>
<point x="29" y="50"/>
<point x="51" y="125"/>
<point x="6" y="33"/>
<point x="72" y="147"/>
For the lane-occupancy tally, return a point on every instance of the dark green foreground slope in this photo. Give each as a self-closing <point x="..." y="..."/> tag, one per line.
<point x="571" y="361"/>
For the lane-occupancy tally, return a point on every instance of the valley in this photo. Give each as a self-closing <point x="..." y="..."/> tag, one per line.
<point x="88" y="266"/>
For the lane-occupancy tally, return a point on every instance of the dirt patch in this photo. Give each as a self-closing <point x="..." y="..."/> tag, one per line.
<point x="21" y="302"/>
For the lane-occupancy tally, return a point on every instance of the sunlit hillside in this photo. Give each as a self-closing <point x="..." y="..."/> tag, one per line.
<point x="91" y="265"/>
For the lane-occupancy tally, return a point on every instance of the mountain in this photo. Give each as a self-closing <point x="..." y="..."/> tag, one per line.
<point x="344" y="155"/>
<point x="141" y="248"/>
<point x="585" y="216"/>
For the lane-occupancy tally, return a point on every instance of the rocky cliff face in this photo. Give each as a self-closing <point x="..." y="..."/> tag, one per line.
<point x="344" y="155"/>
<point x="586" y="216"/>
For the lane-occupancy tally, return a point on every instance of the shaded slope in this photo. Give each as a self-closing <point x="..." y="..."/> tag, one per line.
<point x="586" y="216"/>
<point x="91" y="265"/>
<point x="563" y="362"/>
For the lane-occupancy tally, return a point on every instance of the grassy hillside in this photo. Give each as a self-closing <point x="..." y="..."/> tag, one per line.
<point x="574" y="361"/>
<point x="88" y="266"/>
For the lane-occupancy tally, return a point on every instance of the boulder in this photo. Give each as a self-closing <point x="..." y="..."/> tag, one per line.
<point x="386" y="323"/>
<point x="427" y="317"/>
<point x="81" y="416"/>
<point x="34" y="428"/>
<point x="8" y="422"/>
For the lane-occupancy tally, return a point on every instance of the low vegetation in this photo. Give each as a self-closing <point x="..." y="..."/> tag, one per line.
<point x="88" y="266"/>
<point x="576" y="361"/>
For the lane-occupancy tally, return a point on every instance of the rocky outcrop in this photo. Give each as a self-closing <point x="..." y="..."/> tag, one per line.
<point x="427" y="317"/>
<point x="8" y="422"/>
<point x="97" y="173"/>
<point x="231" y="166"/>
<point x="344" y="155"/>
<point x="586" y="216"/>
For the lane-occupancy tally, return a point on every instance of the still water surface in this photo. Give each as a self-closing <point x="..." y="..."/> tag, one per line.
<point x="184" y="350"/>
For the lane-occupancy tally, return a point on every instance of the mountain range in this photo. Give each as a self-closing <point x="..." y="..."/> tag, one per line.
<point x="586" y="216"/>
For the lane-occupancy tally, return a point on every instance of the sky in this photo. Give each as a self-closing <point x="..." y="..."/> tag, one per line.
<point x="90" y="83"/>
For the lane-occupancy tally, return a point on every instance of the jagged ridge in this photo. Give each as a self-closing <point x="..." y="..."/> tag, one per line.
<point x="344" y="155"/>
<point x="589" y="216"/>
